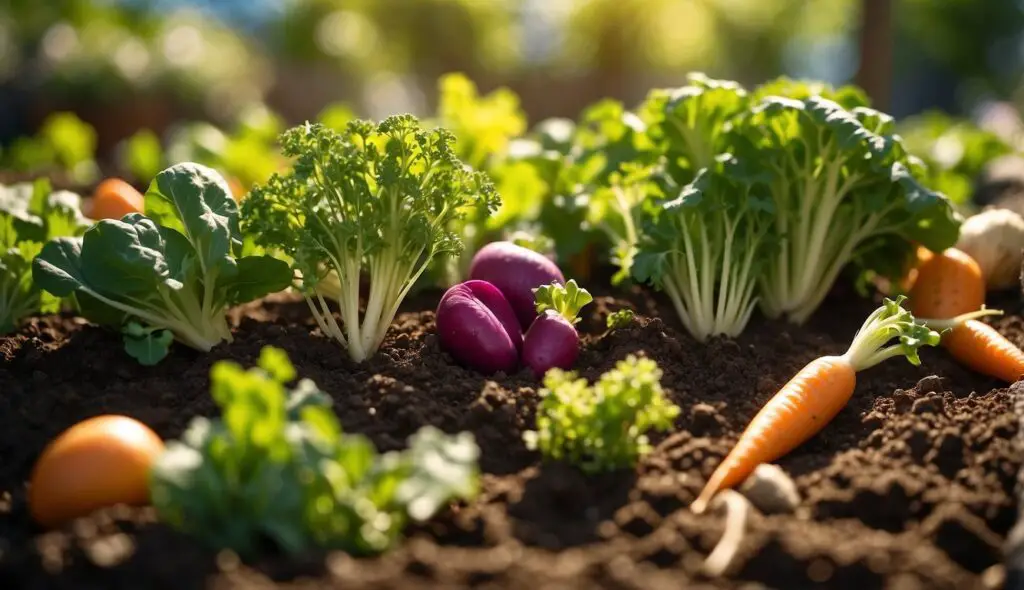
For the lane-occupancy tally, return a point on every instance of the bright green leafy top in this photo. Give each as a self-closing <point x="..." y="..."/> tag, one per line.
<point x="374" y="198"/>
<point x="177" y="268"/>
<point x="565" y="300"/>
<point x="620" y="319"/>
<point x="276" y="466"/>
<point x="30" y="214"/>
<point x="603" y="427"/>
<point x="844" y="192"/>
<point x="887" y="322"/>
<point x="707" y="247"/>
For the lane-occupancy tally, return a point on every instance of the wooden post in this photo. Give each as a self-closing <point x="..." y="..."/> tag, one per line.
<point x="875" y="72"/>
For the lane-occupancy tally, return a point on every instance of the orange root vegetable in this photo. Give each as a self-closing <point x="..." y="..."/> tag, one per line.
<point x="99" y="462"/>
<point x="115" y="198"/>
<point x="947" y="284"/>
<point x="813" y="397"/>
<point x="237" y="188"/>
<point x="980" y="347"/>
<point x="921" y="255"/>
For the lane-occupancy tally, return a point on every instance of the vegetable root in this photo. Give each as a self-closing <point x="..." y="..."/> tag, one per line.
<point x="737" y="512"/>
<point x="947" y="284"/>
<point x="980" y="347"/>
<point x="805" y="404"/>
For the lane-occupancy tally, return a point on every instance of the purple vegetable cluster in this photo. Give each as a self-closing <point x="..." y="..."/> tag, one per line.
<point x="516" y="308"/>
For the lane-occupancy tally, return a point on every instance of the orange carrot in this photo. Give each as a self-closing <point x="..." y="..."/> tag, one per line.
<point x="979" y="346"/>
<point x="814" y="396"/>
<point x="947" y="284"/>
<point x="115" y="198"/>
<point x="921" y="255"/>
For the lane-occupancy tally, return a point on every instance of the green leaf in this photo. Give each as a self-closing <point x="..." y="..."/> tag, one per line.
<point x="619" y="319"/>
<point x="566" y="300"/>
<point x="196" y="201"/>
<point x="125" y="256"/>
<point x="275" y="362"/>
<point x="257" y="277"/>
<point x="58" y="267"/>
<point x="147" y="345"/>
<point x="143" y="155"/>
<point x="443" y="467"/>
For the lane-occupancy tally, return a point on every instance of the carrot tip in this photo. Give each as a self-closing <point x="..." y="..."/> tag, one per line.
<point x="700" y="505"/>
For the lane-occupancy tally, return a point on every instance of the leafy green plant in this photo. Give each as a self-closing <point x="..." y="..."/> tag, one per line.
<point x="31" y="214"/>
<point x="64" y="144"/>
<point x="706" y="249"/>
<point x="691" y="124"/>
<point x="603" y="427"/>
<point x="178" y="267"/>
<point x="955" y="151"/>
<point x="376" y="197"/>
<point x="276" y="466"/>
<point x="619" y="209"/>
<point x="620" y="319"/>
<point x="844" y="191"/>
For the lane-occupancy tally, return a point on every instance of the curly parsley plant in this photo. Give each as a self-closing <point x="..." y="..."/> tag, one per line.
<point x="373" y="199"/>
<point x="601" y="427"/>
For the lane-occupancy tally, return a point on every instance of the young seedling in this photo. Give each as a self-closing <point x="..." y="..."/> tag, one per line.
<point x="618" y="320"/>
<point x="276" y="465"/>
<point x="601" y="428"/>
<point x="552" y="340"/>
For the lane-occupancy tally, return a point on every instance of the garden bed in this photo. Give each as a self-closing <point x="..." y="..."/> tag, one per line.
<point x="911" y="486"/>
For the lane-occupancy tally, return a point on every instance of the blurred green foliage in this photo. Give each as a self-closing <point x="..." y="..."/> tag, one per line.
<point x="954" y="149"/>
<point x="65" y="146"/>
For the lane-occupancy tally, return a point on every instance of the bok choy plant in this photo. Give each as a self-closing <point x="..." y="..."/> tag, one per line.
<point x="379" y="198"/>
<point x="175" y="269"/>
<point x="706" y="248"/>
<point x="844" y="191"/>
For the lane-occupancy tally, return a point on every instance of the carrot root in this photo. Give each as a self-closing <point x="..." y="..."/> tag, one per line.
<point x="796" y="413"/>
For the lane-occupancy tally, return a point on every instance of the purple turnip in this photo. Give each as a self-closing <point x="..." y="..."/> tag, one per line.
<point x="552" y="340"/>
<point x="516" y="271"/>
<point x="476" y="325"/>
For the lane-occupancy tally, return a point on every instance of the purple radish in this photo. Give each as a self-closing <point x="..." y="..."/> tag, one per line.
<point x="552" y="340"/>
<point x="476" y="325"/>
<point x="516" y="271"/>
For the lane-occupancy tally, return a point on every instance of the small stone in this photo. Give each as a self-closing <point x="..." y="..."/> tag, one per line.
<point x="931" y="384"/>
<point x="927" y="405"/>
<point x="771" y="490"/>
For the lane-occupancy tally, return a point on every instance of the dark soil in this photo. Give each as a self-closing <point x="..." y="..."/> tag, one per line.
<point x="911" y="486"/>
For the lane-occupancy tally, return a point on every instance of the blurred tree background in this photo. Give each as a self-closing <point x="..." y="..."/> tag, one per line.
<point x="125" y="65"/>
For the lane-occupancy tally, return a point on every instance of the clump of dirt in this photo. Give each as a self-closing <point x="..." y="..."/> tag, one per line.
<point x="911" y="486"/>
